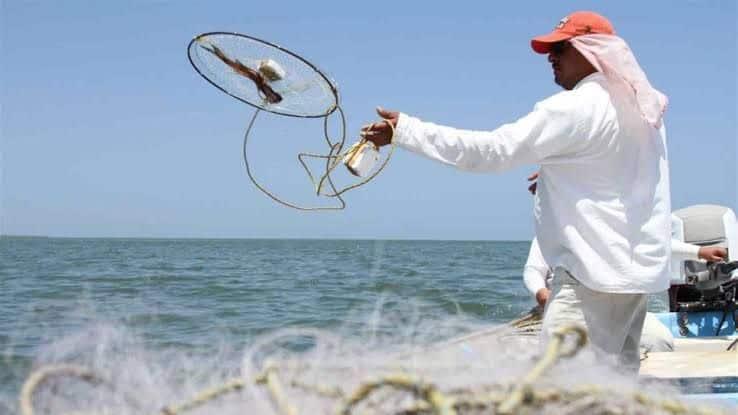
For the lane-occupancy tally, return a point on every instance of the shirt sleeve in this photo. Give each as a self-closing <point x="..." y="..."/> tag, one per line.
<point x="557" y="126"/>
<point x="682" y="251"/>
<point x="535" y="270"/>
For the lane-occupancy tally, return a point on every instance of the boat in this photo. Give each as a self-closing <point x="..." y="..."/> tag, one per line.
<point x="702" y="317"/>
<point x="704" y="362"/>
<point x="702" y="311"/>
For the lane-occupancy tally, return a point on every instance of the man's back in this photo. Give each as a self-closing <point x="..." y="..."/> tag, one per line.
<point x="602" y="205"/>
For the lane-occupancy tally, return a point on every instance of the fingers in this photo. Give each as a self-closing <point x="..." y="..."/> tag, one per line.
<point x="387" y="115"/>
<point x="542" y="296"/>
<point x="713" y="253"/>
<point x="369" y="130"/>
<point x="717" y="253"/>
<point x="374" y="128"/>
<point x="715" y="257"/>
<point x="380" y="132"/>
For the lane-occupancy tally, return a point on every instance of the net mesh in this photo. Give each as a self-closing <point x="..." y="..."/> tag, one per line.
<point x="393" y="364"/>
<point x="304" y="90"/>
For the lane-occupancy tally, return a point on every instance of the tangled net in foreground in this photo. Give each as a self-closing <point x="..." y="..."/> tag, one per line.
<point x="397" y="392"/>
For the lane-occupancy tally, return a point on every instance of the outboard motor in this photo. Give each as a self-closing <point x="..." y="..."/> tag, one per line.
<point x="705" y="286"/>
<point x="714" y="279"/>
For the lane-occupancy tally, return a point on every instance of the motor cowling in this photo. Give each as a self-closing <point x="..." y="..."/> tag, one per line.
<point x="703" y="225"/>
<point x="698" y="285"/>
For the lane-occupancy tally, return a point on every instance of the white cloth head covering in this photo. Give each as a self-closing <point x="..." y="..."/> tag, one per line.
<point x="611" y="56"/>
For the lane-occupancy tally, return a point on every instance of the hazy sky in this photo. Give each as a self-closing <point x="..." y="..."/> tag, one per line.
<point x="108" y="131"/>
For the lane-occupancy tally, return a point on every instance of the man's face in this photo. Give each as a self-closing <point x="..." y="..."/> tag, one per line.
<point x="569" y="66"/>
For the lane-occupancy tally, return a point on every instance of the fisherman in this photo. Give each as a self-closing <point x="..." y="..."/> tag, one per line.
<point x="537" y="274"/>
<point x="602" y="210"/>
<point x="655" y="337"/>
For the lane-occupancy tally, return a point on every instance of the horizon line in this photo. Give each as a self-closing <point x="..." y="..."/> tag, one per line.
<point x="255" y="238"/>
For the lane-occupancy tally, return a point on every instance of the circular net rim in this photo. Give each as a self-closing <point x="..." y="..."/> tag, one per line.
<point x="333" y="88"/>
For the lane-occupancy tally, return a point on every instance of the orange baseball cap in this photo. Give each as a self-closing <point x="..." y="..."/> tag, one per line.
<point x="575" y="24"/>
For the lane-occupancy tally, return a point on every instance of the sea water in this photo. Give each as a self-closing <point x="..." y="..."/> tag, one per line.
<point x="163" y="318"/>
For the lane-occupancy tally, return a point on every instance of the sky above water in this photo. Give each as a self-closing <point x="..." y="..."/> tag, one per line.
<point x="106" y="130"/>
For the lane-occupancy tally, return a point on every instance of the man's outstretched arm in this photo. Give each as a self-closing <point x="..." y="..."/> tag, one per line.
<point x="554" y="127"/>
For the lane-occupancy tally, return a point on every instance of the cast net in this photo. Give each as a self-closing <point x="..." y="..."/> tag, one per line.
<point x="271" y="78"/>
<point x="262" y="74"/>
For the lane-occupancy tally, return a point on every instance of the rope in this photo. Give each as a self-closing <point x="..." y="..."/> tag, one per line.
<point x="520" y="397"/>
<point x="393" y="145"/>
<point x="274" y="197"/>
<point x="554" y="351"/>
<point x="523" y="324"/>
<point x="270" y="379"/>
<point x="731" y="346"/>
<point x="441" y="404"/>
<point x="332" y="160"/>
<point x="205" y="396"/>
<point x="43" y="374"/>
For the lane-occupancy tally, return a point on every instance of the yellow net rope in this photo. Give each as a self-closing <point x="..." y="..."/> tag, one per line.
<point x="402" y="393"/>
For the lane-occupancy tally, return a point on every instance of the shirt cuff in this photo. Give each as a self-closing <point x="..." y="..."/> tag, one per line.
<point x="694" y="252"/>
<point x="685" y="250"/>
<point x="533" y="280"/>
<point x="402" y="129"/>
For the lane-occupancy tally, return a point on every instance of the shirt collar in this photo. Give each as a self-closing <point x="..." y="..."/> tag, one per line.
<point x="593" y="77"/>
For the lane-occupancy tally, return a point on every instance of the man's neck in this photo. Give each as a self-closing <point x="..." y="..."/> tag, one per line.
<point x="587" y="77"/>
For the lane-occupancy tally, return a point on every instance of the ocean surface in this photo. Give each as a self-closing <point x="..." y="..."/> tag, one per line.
<point x="61" y="298"/>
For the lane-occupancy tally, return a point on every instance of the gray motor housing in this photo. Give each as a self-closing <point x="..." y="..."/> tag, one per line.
<point x="703" y="225"/>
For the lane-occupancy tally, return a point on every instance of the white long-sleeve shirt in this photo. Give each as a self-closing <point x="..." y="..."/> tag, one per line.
<point x="602" y="205"/>
<point x="682" y="251"/>
<point x="538" y="275"/>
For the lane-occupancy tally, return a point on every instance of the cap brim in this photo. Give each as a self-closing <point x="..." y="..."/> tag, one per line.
<point x="542" y="44"/>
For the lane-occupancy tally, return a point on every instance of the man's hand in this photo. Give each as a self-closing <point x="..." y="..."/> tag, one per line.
<point x="533" y="186"/>
<point x="380" y="133"/>
<point x="713" y="253"/>
<point x="542" y="296"/>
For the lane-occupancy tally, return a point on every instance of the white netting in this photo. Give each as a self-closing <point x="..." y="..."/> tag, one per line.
<point x="305" y="91"/>
<point x="390" y="368"/>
